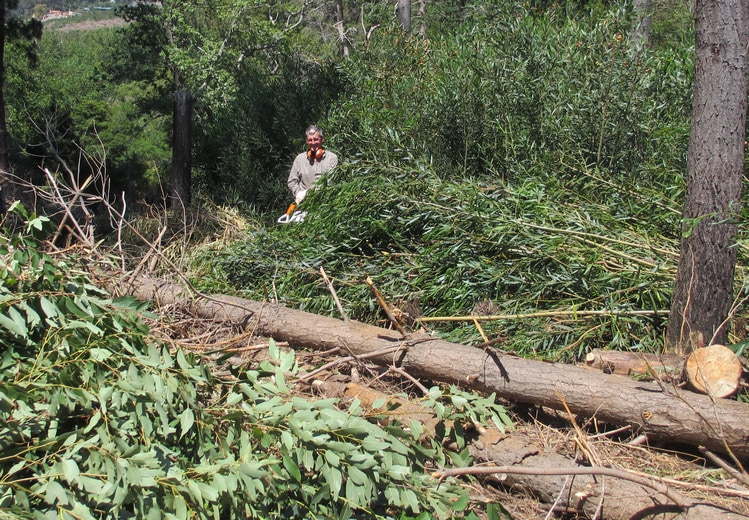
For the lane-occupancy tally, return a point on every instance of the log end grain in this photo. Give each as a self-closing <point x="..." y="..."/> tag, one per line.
<point x="714" y="370"/>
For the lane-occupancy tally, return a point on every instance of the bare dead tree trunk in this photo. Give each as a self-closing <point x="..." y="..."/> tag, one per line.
<point x="182" y="147"/>
<point x="340" y="24"/>
<point x="703" y="292"/>
<point x="403" y="11"/>
<point x="642" y="24"/>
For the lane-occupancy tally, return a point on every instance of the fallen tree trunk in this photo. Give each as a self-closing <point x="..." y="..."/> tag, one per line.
<point x="660" y="411"/>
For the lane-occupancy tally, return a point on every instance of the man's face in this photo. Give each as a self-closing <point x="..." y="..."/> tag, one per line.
<point x="314" y="141"/>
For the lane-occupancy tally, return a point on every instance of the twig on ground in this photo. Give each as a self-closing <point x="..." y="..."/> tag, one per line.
<point x="401" y="372"/>
<point x="738" y="475"/>
<point x="696" y="487"/>
<point x="610" y="433"/>
<point x="348" y="359"/>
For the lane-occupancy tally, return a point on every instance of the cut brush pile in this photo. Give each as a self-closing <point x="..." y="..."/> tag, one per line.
<point x="443" y="248"/>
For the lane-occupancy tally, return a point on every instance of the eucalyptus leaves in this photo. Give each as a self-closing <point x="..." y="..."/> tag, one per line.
<point x="97" y="420"/>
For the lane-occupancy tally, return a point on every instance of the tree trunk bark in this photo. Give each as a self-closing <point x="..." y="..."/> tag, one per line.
<point x="636" y="364"/>
<point x="660" y="411"/>
<point x="340" y="24"/>
<point x="403" y="11"/>
<point x="4" y="136"/>
<point x="182" y="148"/>
<point x="704" y="281"/>
<point x="642" y="24"/>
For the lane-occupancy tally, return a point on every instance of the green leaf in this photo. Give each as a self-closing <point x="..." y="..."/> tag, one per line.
<point x="410" y="500"/>
<point x="273" y="350"/>
<point x="70" y="470"/>
<point x="334" y="479"/>
<point x="461" y="503"/>
<point x="292" y="468"/>
<point x="332" y="458"/>
<point x="187" y="420"/>
<point x="357" y="476"/>
<point x="15" y="323"/>
<point x="397" y="472"/>
<point x="55" y="493"/>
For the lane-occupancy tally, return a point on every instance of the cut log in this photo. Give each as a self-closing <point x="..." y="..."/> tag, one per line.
<point x="635" y="364"/>
<point x="714" y="370"/>
<point x="663" y="412"/>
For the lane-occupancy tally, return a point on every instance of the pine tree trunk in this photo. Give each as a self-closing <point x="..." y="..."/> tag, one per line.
<point x="703" y="292"/>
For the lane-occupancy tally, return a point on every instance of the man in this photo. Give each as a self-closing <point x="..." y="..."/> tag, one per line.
<point x="309" y="166"/>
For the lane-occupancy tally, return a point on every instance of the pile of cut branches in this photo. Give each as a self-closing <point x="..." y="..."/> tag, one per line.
<point x="473" y="248"/>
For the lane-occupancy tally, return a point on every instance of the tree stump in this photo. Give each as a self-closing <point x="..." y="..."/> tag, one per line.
<point x="714" y="370"/>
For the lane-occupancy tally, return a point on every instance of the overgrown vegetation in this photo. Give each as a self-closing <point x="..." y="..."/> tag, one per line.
<point x="99" y="420"/>
<point x="523" y="162"/>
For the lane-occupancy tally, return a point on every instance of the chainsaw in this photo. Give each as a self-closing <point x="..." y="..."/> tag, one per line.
<point x="292" y="215"/>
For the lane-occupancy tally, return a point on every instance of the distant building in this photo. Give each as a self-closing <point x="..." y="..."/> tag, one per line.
<point x="55" y="15"/>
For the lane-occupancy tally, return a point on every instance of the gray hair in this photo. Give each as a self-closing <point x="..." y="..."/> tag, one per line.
<point x="313" y="129"/>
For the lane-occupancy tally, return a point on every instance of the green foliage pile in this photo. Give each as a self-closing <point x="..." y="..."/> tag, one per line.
<point x="97" y="420"/>
<point x="466" y="247"/>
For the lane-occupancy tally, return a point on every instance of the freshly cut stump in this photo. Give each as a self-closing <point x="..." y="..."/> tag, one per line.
<point x="714" y="370"/>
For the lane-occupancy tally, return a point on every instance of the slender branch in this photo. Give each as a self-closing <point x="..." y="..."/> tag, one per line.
<point x="738" y="475"/>
<point x="348" y="359"/>
<point x="416" y="382"/>
<point x="385" y="307"/>
<point x="543" y="314"/>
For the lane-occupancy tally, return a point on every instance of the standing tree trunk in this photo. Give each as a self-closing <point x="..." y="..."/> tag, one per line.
<point x="642" y="24"/>
<point x="420" y="14"/>
<point x="182" y="148"/>
<point x="340" y="24"/>
<point x="403" y="11"/>
<point x="704" y="281"/>
<point x="4" y="137"/>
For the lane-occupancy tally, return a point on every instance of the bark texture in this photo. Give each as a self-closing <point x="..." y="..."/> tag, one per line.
<point x="644" y="366"/>
<point x="703" y="292"/>
<point x="403" y="11"/>
<point x="661" y="411"/>
<point x="642" y="24"/>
